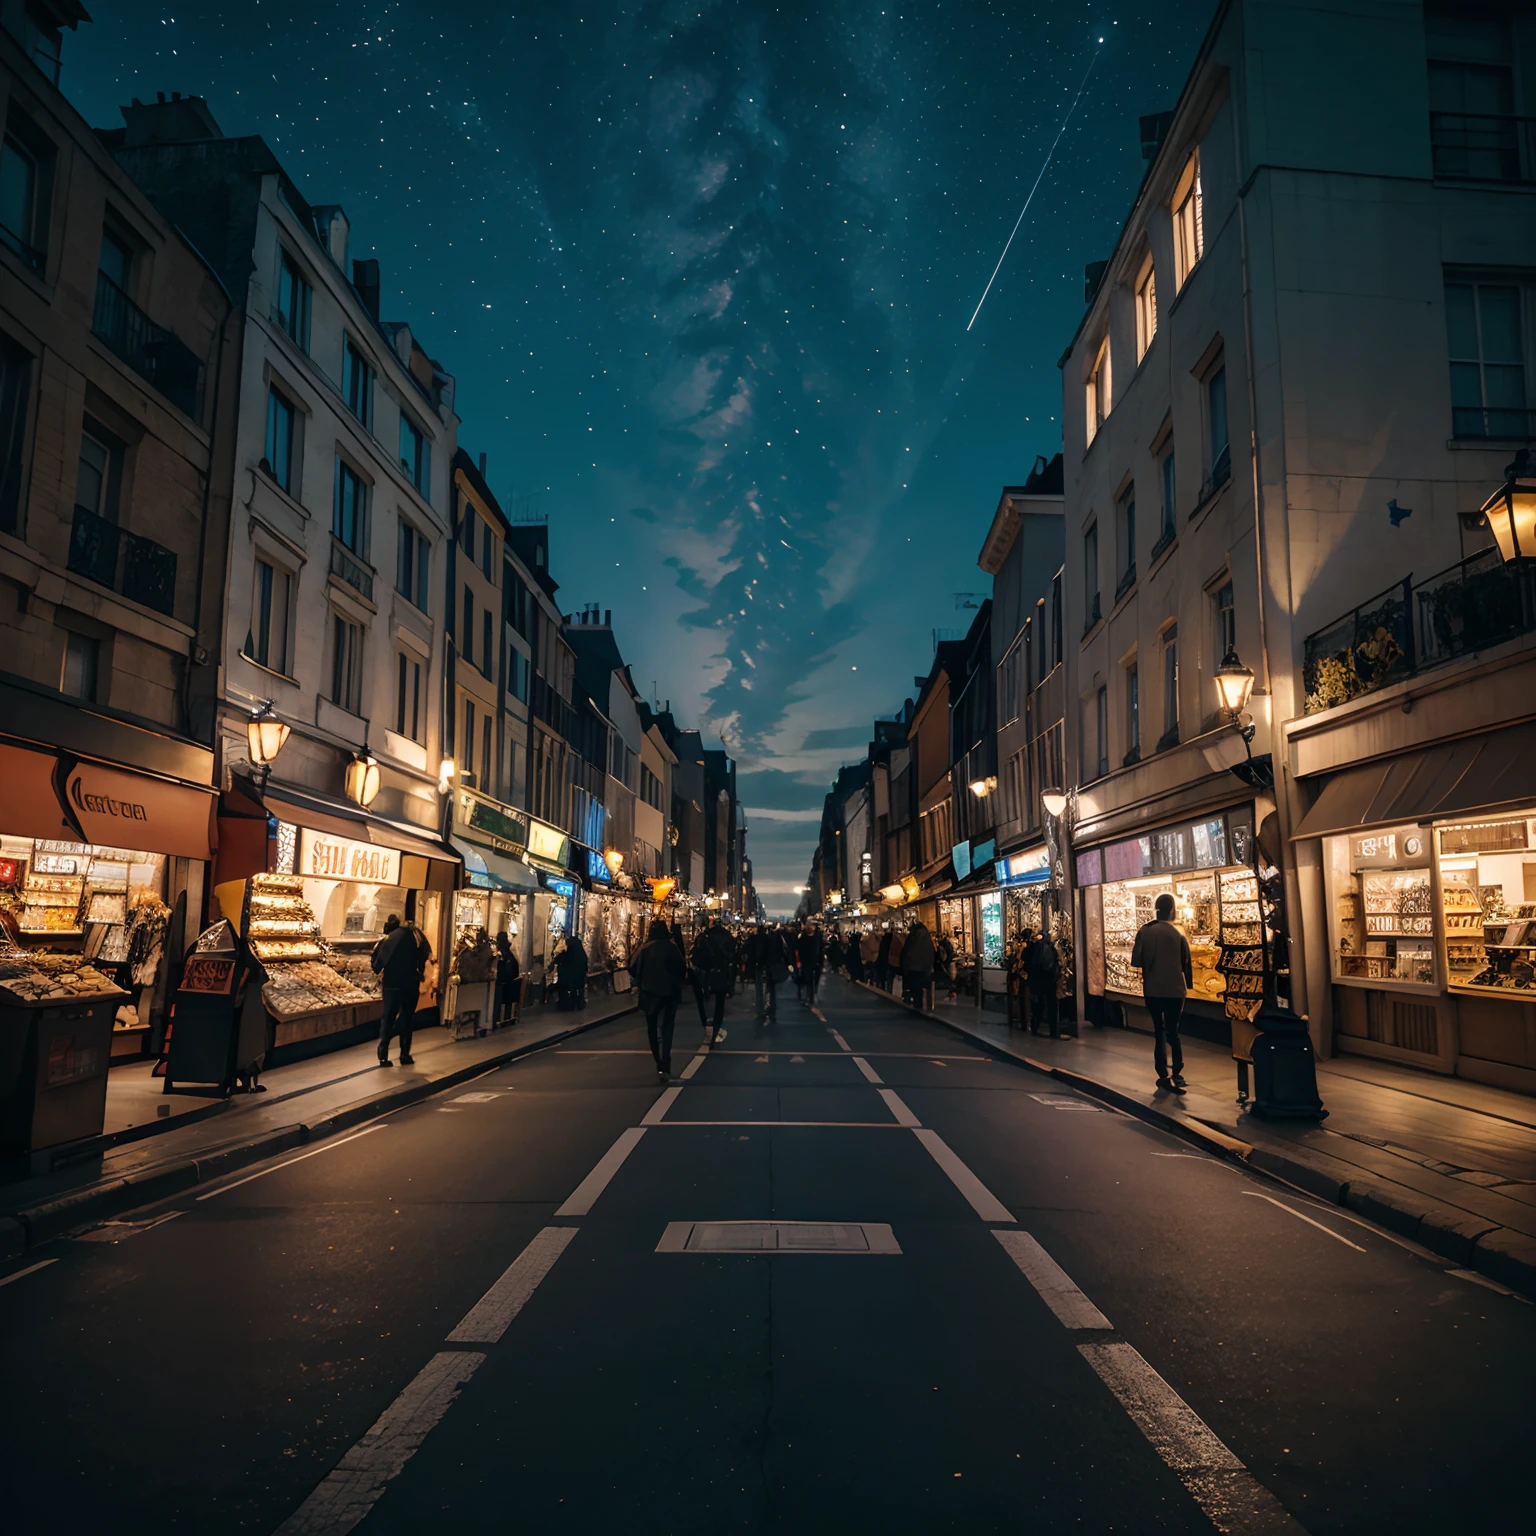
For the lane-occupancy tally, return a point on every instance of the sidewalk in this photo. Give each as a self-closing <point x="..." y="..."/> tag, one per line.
<point x="305" y="1101"/>
<point x="1447" y="1163"/>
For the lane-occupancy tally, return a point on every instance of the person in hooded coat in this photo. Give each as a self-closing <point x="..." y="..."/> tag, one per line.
<point x="572" y="968"/>
<point x="774" y="961"/>
<point x="917" y="965"/>
<point x="714" y="969"/>
<point x="658" y="971"/>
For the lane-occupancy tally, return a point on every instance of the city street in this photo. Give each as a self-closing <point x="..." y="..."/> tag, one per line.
<point x="988" y="1304"/>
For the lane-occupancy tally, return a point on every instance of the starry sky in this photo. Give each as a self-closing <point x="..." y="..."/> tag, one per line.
<point x="702" y="272"/>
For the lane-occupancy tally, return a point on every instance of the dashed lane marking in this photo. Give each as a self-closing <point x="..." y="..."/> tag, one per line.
<point x="31" y="1269"/>
<point x="492" y="1315"/>
<point x="658" y="1111"/>
<point x="870" y="1075"/>
<point x="584" y="1197"/>
<point x="893" y="1102"/>
<point x="330" y="1146"/>
<point x="1290" y="1211"/>
<point x="843" y="1043"/>
<point x="693" y="1066"/>
<point x="1055" y="1286"/>
<point x="982" y="1200"/>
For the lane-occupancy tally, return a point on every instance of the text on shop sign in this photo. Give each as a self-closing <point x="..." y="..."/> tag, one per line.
<point x="338" y="858"/>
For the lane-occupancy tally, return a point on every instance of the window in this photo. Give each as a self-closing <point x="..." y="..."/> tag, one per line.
<point x="349" y="518"/>
<point x="96" y="479"/>
<point x="116" y="264"/>
<point x="650" y="788"/>
<point x="82" y="667"/>
<point x="23" y="199"/>
<point x="357" y="382"/>
<point x="1056" y="650"/>
<point x="1487" y="360"/>
<point x="466" y="526"/>
<point x="1216" y="425"/>
<point x="467" y="635"/>
<point x="1146" y="309"/>
<point x="15" y="394"/>
<point x="294" y="297"/>
<point x="346" y="664"/>
<point x="1096" y="403"/>
<point x="517" y="674"/>
<point x="1101" y="724"/>
<point x="1170" y="515"/>
<point x="279" y="454"/>
<point x="1473" y="132"/>
<point x="1008" y="690"/>
<point x="469" y="735"/>
<point x="266" y="641"/>
<point x="1170" y="687"/>
<point x="516" y="602"/>
<point x="487" y="645"/>
<point x="487" y="757"/>
<point x="413" y="565"/>
<point x="416" y="461"/>
<point x="1188" y="222"/>
<point x="408" y="697"/>
<point x="1125" y="516"/>
<point x="1133" y="712"/>
<point x="1226" y="619"/>
<point x="1091" y="576"/>
<point x="487" y="552"/>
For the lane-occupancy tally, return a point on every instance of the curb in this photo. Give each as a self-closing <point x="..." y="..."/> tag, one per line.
<point x="25" y="1229"/>
<point x="1470" y="1241"/>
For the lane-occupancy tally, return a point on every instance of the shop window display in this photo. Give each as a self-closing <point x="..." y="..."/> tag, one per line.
<point x="1488" y="904"/>
<point x="1382" y="906"/>
<point x="286" y="937"/>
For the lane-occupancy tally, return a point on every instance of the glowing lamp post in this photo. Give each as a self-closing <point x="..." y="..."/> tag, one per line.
<point x="264" y="738"/>
<point x="362" y="780"/>
<point x="614" y="860"/>
<point x="1511" y="517"/>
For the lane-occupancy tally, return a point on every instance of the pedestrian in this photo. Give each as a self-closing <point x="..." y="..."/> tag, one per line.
<point x="714" y="967"/>
<point x="835" y="952"/>
<point x="944" y="955"/>
<point x="1041" y="966"/>
<point x="869" y="957"/>
<point x="753" y="959"/>
<point x="775" y="967"/>
<point x="658" y="972"/>
<point x="917" y="957"/>
<point x="883" y="962"/>
<point x="508" y="975"/>
<point x="810" y="955"/>
<point x="571" y="966"/>
<point x="893" y="956"/>
<point x="1161" y="954"/>
<point x="679" y="940"/>
<point x="396" y="962"/>
<point x="476" y="965"/>
<point x="853" y="956"/>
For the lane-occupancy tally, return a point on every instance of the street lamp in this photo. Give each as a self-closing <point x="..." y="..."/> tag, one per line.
<point x="1511" y="517"/>
<point x="1054" y="801"/>
<point x="445" y="772"/>
<point x="1284" y="1068"/>
<point x="362" y="780"/>
<point x="264" y="738"/>
<point x="614" y="860"/>
<point x="983" y="787"/>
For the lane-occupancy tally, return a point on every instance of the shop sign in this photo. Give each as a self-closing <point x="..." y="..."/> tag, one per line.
<point x="597" y="867"/>
<point x="131" y="810"/>
<point x="547" y="842"/>
<point x="960" y="857"/>
<point x="1399" y="846"/>
<point x="495" y="825"/>
<point x="323" y="857"/>
<point x="565" y="888"/>
<point x="983" y="853"/>
<point x="208" y="974"/>
<point x="1032" y="868"/>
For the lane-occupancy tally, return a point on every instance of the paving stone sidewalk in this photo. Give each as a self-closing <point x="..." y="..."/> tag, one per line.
<point x="1447" y="1163"/>
<point x="304" y="1102"/>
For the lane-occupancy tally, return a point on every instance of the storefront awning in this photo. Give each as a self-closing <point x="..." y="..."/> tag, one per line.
<point x="1456" y="778"/>
<point x="495" y="871"/>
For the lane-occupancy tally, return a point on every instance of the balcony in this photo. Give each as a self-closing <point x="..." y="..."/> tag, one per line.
<point x="1094" y="613"/>
<point x="123" y="562"/>
<point x="30" y="255"/>
<point x="345" y="566"/>
<point x="153" y="352"/>
<point x="1469" y="146"/>
<point x="1126" y="582"/>
<point x="1221" y="472"/>
<point x="1468" y="607"/>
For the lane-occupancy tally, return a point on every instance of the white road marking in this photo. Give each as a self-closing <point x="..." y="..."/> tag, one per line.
<point x="982" y="1200"/>
<point x="1460" y="1274"/>
<point x="584" y="1197"/>
<point x="842" y="1125"/>
<point x="692" y="1067"/>
<point x="116" y="1231"/>
<point x="1055" y="1286"/>
<point x="1233" y="1499"/>
<point x="31" y="1269"/>
<point x="840" y="1040"/>
<point x="490" y="1317"/>
<point x="657" y="1112"/>
<point x="797" y="1061"/>
<point x="344" y="1499"/>
<point x="330" y="1146"/>
<point x="870" y="1075"/>
<point x="819" y="1014"/>
<point x="767" y="1237"/>
<point x="1289" y="1211"/>
<point x="1064" y="1101"/>
<point x="761" y="1061"/>
<point x="478" y="1098"/>
<point x="904" y="1116"/>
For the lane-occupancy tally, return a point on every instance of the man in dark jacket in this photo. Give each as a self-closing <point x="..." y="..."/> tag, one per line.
<point x="397" y="962"/>
<point x="658" y="971"/>
<point x="773" y="962"/>
<point x="917" y="965"/>
<point x="1041" y="964"/>
<point x="571" y="967"/>
<point x="810" y="955"/>
<point x="883" y="961"/>
<point x="507" y="974"/>
<point x="714" y="968"/>
<point x="1161" y="954"/>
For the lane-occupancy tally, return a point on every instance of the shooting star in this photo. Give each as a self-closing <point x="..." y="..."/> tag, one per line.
<point x="1038" y="179"/>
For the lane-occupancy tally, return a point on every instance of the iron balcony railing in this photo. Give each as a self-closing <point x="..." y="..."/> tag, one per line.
<point x="345" y="566"/>
<point x="124" y="562"/>
<point x="154" y="353"/>
<point x="1468" y="607"/>
<point x="1479" y="146"/>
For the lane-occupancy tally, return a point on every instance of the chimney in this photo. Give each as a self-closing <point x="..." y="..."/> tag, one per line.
<point x="1093" y="275"/>
<point x="1154" y="130"/>
<point x="608" y="617"/>
<point x="482" y="466"/>
<point x="333" y="229"/>
<point x="181" y="120"/>
<point x="365" y="281"/>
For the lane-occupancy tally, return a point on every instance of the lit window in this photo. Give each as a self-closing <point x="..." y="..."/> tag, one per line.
<point x="1188" y="222"/>
<point x="1096" y="395"/>
<point x="1146" y="309"/>
<point x="266" y="641"/>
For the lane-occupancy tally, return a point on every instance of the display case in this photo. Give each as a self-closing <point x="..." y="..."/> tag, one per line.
<point x="1487" y="903"/>
<point x="1382" y="908"/>
<point x="284" y="934"/>
<point x="1121" y="921"/>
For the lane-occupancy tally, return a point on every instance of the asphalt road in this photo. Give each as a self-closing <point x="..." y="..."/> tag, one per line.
<point x="459" y="1319"/>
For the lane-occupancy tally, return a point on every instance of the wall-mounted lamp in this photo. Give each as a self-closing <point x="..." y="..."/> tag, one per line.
<point x="362" y="780"/>
<point x="614" y="860"/>
<point x="445" y="772"/>
<point x="1054" y="801"/>
<point x="981" y="788"/>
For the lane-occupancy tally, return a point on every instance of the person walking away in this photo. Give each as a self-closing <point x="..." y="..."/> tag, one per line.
<point x="853" y="956"/>
<point x="395" y="962"/>
<point x="1161" y="954"/>
<point x="883" y="962"/>
<point x="893" y="957"/>
<point x="775" y="964"/>
<point x="572" y="966"/>
<point x="810" y="955"/>
<point x="754" y="964"/>
<point x="508" y="974"/>
<point x="477" y="980"/>
<point x="917" y="965"/>
<point x="869" y="958"/>
<point x="658" y="971"/>
<point x="1041" y="965"/>
<point x="834" y="953"/>
<point x="714" y="968"/>
<point x="696" y="963"/>
<point x="944" y="953"/>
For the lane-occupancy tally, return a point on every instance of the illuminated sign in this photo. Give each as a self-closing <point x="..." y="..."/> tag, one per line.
<point x="323" y="857"/>
<point x="547" y="842"/>
<point x="497" y="826"/>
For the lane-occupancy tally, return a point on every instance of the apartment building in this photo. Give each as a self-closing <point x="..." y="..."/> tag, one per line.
<point x="1300" y="375"/>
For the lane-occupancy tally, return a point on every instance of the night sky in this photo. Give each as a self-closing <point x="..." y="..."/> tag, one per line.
<point x="702" y="272"/>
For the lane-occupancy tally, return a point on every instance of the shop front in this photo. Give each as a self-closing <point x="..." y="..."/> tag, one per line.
<point x="1206" y="865"/>
<point x="313" y="913"/>
<point x="1035" y="902"/>
<point x="499" y="887"/>
<point x="97" y="864"/>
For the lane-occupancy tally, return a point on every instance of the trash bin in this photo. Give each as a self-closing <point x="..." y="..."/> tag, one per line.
<point x="55" y="1056"/>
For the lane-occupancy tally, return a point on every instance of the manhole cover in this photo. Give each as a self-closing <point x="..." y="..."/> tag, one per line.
<point x="778" y="1237"/>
